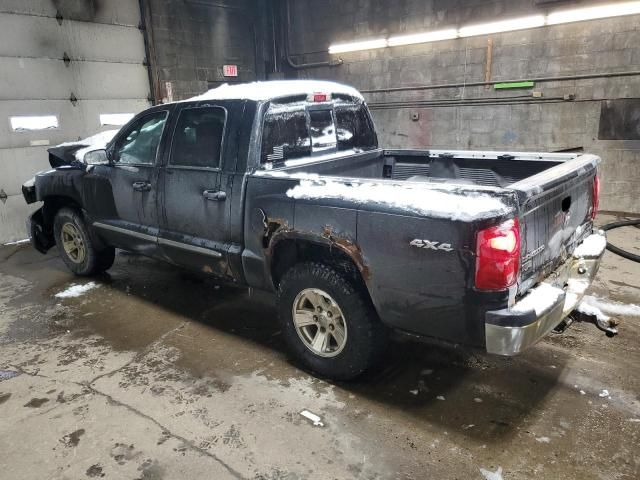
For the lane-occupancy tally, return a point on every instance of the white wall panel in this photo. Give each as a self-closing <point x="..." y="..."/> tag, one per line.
<point x="44" y="37"/>
<point x="105" y="74"/>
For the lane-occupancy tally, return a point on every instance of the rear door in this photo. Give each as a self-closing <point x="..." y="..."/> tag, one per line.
<point x="196" y="190"/>
<point x="122" y="196"/>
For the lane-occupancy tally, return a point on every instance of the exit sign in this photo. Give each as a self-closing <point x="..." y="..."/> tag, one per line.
<point x="230" y="70"/>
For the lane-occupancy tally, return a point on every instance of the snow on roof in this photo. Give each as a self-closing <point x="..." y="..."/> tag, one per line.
<point x="273" y="89"/>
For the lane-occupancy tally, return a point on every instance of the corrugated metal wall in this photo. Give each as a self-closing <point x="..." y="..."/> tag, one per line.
<point x="104" y="71"/>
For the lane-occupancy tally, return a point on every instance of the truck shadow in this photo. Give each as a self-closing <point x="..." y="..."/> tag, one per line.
<point x="463" y="392"/>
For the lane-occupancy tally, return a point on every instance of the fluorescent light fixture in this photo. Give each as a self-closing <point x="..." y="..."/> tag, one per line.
<point x="423" y="37"/>
<point x="33" y="123"/>
<point x="115" y="119"/>
<point x="532" y="21"/>
<point x="592" y="13"/>
<point x="502" y="26"/>
<point x="355" y="46"/>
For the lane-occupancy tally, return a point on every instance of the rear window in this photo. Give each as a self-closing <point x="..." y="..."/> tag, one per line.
<point x="300" y="130"/>
<point x="354" y="128"/>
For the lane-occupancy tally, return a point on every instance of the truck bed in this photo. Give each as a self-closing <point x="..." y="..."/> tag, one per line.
<point x="553" y="191"/>
<point x="483" y="168"/>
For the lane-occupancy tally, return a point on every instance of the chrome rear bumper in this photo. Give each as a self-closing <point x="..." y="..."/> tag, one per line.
<point x="513" y="330"/>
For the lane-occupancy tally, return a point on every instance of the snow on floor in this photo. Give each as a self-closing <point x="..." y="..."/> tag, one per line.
<point x="539" y="299"/>
<point x="18" y="242"/>
<point x="76" y="290"/>
<point x="420" y="199"/>
<point x="603" y="309"/>
<point x="489" y="475"/>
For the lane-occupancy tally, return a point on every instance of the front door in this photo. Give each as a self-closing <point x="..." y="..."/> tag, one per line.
<point x="125" y="212"/>
<point x="196" y="193"/>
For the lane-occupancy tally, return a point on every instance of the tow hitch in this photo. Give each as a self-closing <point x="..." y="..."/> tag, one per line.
<point x="606" y="324"/>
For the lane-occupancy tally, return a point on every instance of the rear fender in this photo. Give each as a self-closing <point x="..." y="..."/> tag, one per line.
<point x="344" y="248"/>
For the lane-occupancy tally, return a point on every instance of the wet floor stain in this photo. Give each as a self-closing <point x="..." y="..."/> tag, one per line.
<point x="36" y="402"/>
<point x="72" y="439"/>
<point x="150" y="470"/>
<point x="95" y="471"/>
<point x="4" y="397"/>
<point x="122" y="453"/>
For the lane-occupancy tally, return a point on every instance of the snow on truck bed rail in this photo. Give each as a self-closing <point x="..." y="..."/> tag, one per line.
<point x="279" y="88"/>
<point x="451" y="203"/>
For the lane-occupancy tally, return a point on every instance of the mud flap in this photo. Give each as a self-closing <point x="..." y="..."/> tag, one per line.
<point x="41" y="238"/>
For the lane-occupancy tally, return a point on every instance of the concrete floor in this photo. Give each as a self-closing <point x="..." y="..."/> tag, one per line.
<point x="159" y="374"/>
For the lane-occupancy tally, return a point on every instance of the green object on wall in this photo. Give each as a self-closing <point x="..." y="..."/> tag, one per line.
<point x="499" y="86"/>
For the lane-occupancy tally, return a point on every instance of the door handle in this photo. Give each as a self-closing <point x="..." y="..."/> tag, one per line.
<point x="219" y="196"/>
<point x="141" y="186"/>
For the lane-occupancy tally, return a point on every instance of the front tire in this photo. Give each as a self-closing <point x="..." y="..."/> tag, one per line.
<point x="328" y="322"/>
<point x="76" y="246"/>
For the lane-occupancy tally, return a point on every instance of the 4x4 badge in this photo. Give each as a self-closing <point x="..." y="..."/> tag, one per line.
<point x="428" y="244"/>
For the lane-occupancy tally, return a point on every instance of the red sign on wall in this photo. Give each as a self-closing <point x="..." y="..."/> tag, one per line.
<point x="230" y="70"/>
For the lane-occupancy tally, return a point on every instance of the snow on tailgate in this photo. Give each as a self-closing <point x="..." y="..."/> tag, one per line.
<point x="418" y="199"/>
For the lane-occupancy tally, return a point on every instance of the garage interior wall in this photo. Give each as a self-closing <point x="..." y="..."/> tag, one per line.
<point x="73" y="60"/>
<point x="510" y="119"/>
<point x="191" y="41"/>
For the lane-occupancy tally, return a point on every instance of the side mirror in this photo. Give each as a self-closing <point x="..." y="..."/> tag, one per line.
<point x="96" y="157"/>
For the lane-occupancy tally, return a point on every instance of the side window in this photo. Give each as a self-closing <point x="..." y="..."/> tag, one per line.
<point x="323" y="131"/>
<point x="285" y="134"/>
<point x="197" y="141"/>
<point x="139" y="144"/>
<point x="354" y="128"/>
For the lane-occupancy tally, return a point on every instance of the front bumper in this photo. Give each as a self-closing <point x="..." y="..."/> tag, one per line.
<point x="513" y="330"/>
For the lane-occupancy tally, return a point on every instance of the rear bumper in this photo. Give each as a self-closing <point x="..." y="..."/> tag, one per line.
<point x="512" y="330"/>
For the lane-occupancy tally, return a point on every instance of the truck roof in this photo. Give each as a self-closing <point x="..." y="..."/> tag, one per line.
<point x="264" y="91"/>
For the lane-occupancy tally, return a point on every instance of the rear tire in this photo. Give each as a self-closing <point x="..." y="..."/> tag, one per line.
<point x="329" y="322"/>
<point x="76" y="246"/>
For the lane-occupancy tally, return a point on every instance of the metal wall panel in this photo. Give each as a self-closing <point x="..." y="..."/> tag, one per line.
<point x="29" y="78"/>
<point x="43" y="37"/>
<point x="75" y="122"/>
<point x="116" y="12"/>
<point x="105" y="74"/>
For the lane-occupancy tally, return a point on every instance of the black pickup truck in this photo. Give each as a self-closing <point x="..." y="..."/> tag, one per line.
<point x="282" y="186"/>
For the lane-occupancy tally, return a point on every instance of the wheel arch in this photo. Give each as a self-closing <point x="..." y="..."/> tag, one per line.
<point x="52" y="204"/>
<point x="286" y="249"/>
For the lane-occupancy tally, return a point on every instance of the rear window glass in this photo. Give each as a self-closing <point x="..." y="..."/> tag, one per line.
<point x="285" y="134"/>
<point x="354" y="128"/>
<point x="293" y="131"/>
<point x="323" y="131"/>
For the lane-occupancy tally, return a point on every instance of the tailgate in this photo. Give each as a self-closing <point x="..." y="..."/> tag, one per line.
<point x="555" y="215"/>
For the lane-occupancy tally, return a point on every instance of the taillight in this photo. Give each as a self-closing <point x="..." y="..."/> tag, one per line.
<point x="595" y="197"/>
<point x="498" y="256"/>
